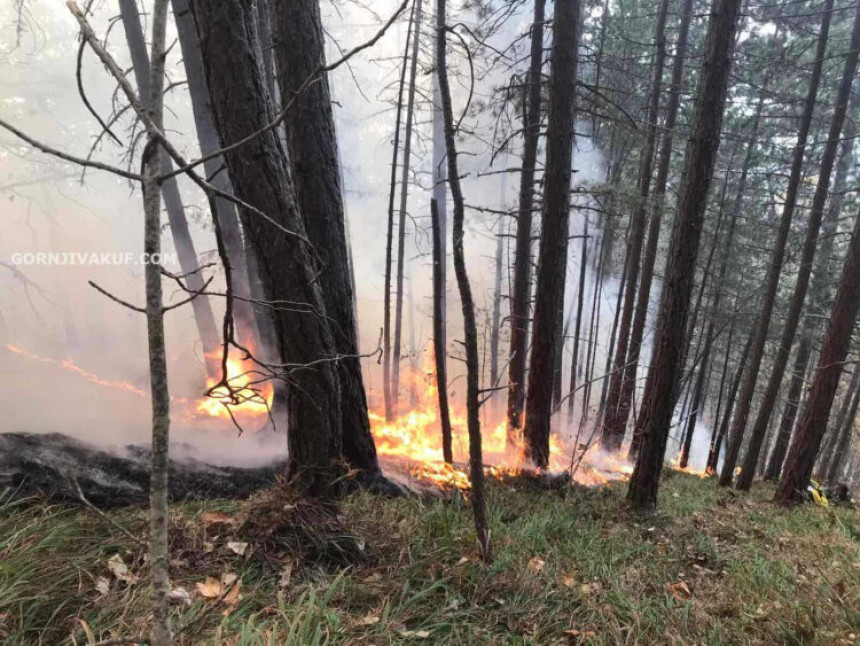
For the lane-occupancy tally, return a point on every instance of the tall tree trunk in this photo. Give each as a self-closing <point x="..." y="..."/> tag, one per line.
<point x="260" y="173"/>
<point x="470" y="329"/>
<point x="580" y="297"/>
<point x="438" y="210"/>
<point x="209" y="337"/>
<point x="313" y="156"/>
<point x="843" y="316"/>
<point x="612" y="337"/>
<point x="555" y="211"/>
<point x="661" y="387"/>
<point x="522" y="288"/>
<point x="404" y="194"/>
<point x="387" y="394"/>
<point x="807" y="257"/>
<point x="832" y="437"/>
<point x="736" y="435"/>
<point x="820" y="293"/>
<point x="439" y="333"/>
<point x="717" y="442"/>
<point x="228" y="218"/>
<point x="497" y="310"/>
<point x="840" y="452"/>
<point x="623" y="379"/>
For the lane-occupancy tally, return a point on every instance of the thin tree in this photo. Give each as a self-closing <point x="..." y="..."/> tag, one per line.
<point x="843" y="316"/>
<point x="555" y="211"/>
<point x="580" y="296"/>
<point x="768" y="298"/>
<point x="203" y="316"/>
<point x="624" y="378"/>
<point x="404" y="194"/>
<point x="663" y="377"/>
<point x="807" y="257"/>
<point x="521" y="292"/>
<point x="470" y="329"/>
<point x="844" y="432"/>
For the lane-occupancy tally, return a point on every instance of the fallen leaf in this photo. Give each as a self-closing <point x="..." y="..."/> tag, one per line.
<point x="215" y="518"/>
<point x="227" y="581"/>
<point x="210" y="588"/>
<point x="180" y="595"/>
<point x="415" y="634"/>
<point x="536" y="565"/>
<point x="102" y="585"/>
<point x="286" y="575"/>
<point x="368" y="620"/>
<point x="120" y="570"/>
<point x="236" y="547"/>
<point x="591" y="588"/>
<point x="679" y="590"/>
<point x="569" y="580"/>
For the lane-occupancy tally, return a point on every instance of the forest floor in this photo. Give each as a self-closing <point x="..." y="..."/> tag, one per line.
<point x="572" y="566"/>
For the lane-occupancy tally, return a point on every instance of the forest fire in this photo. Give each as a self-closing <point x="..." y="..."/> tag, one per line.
<point x="249" y="394"/>
<point x="676" y="465"/>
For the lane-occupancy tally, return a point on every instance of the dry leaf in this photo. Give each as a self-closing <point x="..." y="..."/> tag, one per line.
<point x="227" y="581"/>
<point x="102" y="585"/>
<point x="679" y="590"/>
<point x="120" y="570"/>
<point x="215" y="518"/>
<point x="180" y="595"/>
<point x="210" y="588"/>
<point x="416" y="634"/>
<point x="368" y="620"/>
<point x="591" y="588"/>
<point x="536" y="565"/>
<point x="236" y="547"/>
<point x="286" y="575"/>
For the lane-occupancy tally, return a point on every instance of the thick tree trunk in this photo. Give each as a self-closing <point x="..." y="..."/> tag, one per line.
<point x="555" y="211"/>
<point x="228" y="218"/>
<point x="313" y="156"/>
<point x="470" y="328"/>
<point x="404" y="195"/>
<point x="209" y="337"/>
<point x="522" y="287"/>
<point x="843" y="316"/>
<point x="261" y="177"/>
<point x="623" y="379"/>
<point x="387" y="394"/>
<point x="662" y="384"/>
<point x="739" y="422"/>
<point x="810" y="244"/>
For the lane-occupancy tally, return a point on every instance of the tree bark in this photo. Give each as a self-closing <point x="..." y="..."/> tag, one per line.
<point x="810" y="244"/>
<point x="401" y="223"/>
<point x="552" y="259"/>
<point x="580" y="297"/>
<point x="260" y="173"/>
<point x="840" y="453"/>
<point x="388" y="396"/>
<point x="228" y="218"/>
<point x="495" y="325"/>
<point x="661" y="387"/>
<point x="843" y="316"/>
<point x="314" y="161"/>
<point x="522" y="287"/>
<point x="623" y="379"/>
<point x="205" y="320"/>
<point x="470" y="329"/>
<point x="439" y="334"/>
<point x="744" y="404"/>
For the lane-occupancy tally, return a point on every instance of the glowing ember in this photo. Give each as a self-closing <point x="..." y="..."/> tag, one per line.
<point x="70" y="365"/>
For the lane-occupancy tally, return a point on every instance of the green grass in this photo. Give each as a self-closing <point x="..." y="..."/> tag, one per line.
<point x="758" y="574"/>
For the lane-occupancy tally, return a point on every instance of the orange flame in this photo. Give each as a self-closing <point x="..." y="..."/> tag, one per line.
<point x="70" y="365"/>
<point x="248" y="394"/>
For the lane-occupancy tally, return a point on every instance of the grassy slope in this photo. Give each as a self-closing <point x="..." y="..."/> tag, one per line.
<point x="580" y="562"/>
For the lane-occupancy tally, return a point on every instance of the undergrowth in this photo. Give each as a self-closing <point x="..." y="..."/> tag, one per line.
<point x="712" y="567"/>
